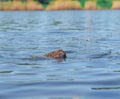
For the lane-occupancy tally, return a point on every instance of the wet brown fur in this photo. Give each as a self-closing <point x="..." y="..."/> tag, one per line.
<point x="58" y="54"/>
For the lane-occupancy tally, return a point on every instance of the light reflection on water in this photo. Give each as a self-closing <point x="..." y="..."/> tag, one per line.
<point x="91" y="40"/>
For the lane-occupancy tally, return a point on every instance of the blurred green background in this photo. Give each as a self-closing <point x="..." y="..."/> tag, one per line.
<point x="58" y="4"/>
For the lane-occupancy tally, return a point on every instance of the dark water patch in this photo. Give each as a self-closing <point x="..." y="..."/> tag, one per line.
<point x="26" y="64"/>
<point x="58" y="33"/>
<point x="69" y="51"/>
<point x="118" y="53"/>
<point x="118" y="63"/>
<point x="71" y="29"/>
<point x="36" y="58"/>
<point x="106" y="74"/>
<point x="6" y="72"/>
<point x="57" y="23"/>
<point x="37" y="67"/>
<point x="117" y="71"/>
<point x="107" y="88"/>
<point x="93" y="67"/>
<point x="26" y="74"/>
<point x="101" y="55"/>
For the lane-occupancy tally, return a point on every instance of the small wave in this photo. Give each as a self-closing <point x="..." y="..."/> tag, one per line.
<point x="107" y="88"/>
<point x="6" y="71"/>
<point x="101" y="55"/>
<point x="70" y="51"/>
<point x="71" y="29"/>
<point x="35" y="58"/>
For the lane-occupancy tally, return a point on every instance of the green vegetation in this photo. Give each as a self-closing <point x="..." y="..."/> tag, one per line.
<point x="82" y="2"/>
<point x="10" y="0"/>
<point x="6" y="0"/>
<point x="45" y="3"/>
<point x="104" y="3"/>
<point x="23" y="1"/>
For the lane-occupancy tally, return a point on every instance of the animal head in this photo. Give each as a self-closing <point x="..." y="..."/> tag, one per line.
<point x="58" y="54"/>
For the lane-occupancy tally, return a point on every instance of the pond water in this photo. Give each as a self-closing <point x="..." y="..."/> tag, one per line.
<point x="91" y="40"/>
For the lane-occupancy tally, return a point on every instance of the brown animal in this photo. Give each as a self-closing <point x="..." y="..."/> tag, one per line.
<point x="58" y="54"/>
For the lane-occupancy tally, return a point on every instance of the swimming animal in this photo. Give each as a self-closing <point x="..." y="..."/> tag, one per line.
<point x="57" y="54"/>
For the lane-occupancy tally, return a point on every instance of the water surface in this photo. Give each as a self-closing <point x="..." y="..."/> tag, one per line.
<point x="91" y="40"/>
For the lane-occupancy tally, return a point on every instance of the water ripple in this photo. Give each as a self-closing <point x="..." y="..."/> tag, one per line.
<point x="90" y="39"/>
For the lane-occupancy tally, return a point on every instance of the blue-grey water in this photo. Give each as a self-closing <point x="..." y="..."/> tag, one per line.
<point x="91" y="40"/>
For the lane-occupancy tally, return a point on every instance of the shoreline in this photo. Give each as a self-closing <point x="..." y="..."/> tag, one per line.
<point x="57" y="5"/>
